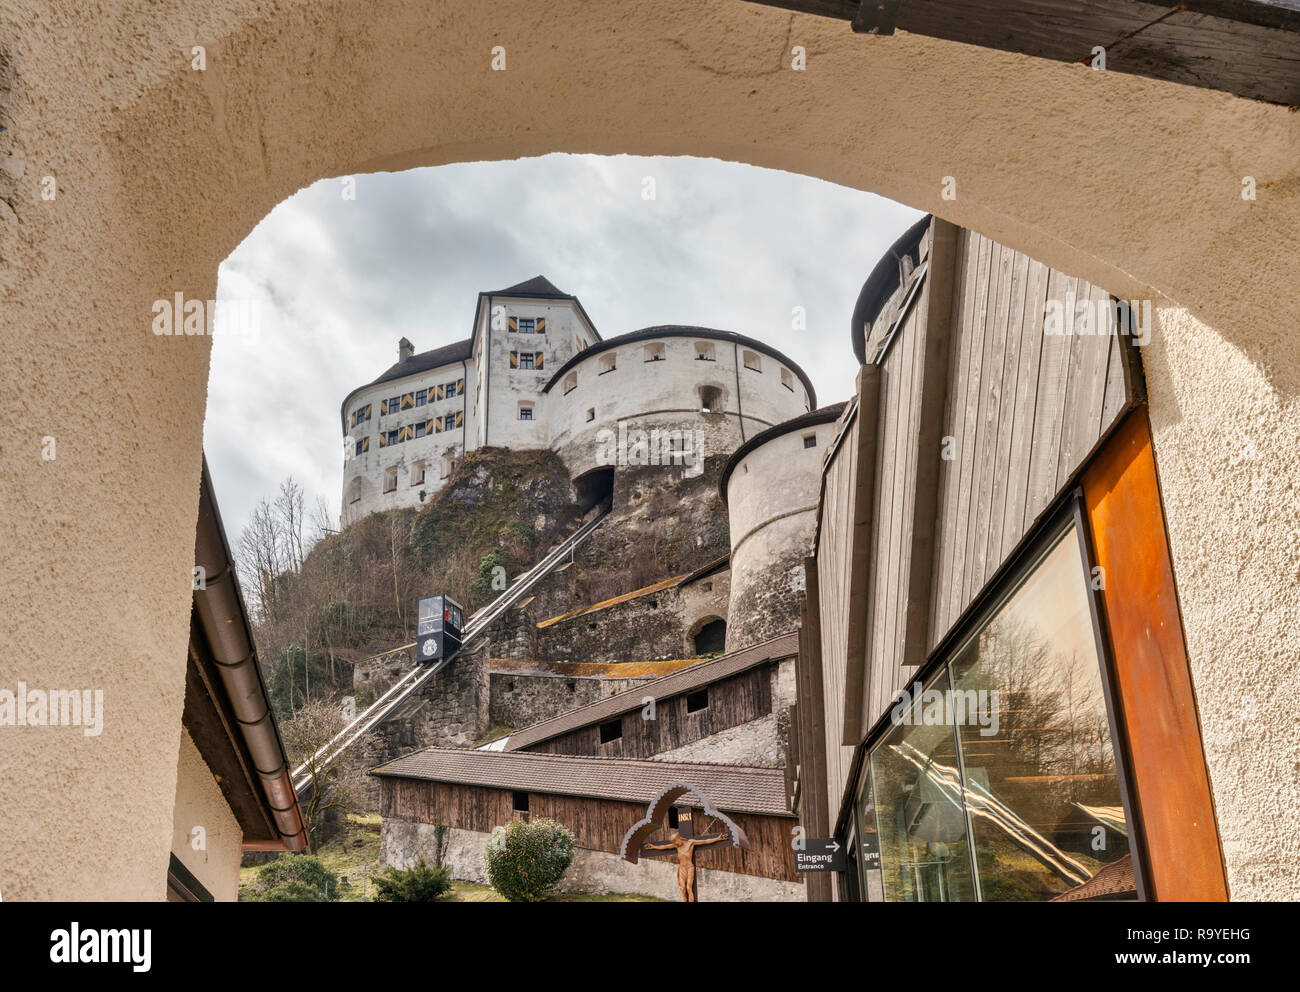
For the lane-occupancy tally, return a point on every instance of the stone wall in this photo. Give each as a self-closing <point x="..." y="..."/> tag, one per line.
<point x="521" y="700"/>
<point x="403" y="842"/>
<point x="450" y="710"/>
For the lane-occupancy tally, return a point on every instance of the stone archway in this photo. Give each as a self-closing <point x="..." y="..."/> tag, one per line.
<point x="161" y="169"/>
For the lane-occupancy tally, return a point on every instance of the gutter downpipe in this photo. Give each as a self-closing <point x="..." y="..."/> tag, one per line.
<point x="740" y="410"/>
<point x="220" y="608"/>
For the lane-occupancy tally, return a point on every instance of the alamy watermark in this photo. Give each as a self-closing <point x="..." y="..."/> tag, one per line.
<point x="657" y="446"/>
<point x="917" y="706"/>
<point x="1089" y="316"/>
<point x="53" y="708"/>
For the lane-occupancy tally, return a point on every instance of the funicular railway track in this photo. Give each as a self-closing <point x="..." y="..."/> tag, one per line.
<point x="412" y="681"/>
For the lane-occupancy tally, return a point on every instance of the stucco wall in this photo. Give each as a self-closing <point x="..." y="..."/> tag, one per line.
<point x="1225" y="435"/>
<point x="1133" y="184"/>
<point x="403" y="842"/>
<point x="205" y="834"/>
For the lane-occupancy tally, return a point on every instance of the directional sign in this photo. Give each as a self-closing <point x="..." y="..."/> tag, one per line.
<point x="819" y="854"/>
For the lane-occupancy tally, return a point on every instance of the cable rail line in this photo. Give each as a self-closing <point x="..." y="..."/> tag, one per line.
<point x="409" y="683"/>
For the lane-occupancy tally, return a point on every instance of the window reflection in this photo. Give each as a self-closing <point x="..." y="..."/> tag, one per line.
<point x="1042" y="792"/>
<point x="922" y="827"/>
<point x="1001" y="784"/>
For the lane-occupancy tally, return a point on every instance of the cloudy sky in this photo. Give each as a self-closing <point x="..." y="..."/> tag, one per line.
<point x="337" y="282"/>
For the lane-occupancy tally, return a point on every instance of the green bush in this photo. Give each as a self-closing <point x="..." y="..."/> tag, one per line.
<point x="289" y="870"/>
<point x="525" y="859"/>
<point x="418" y="884"/>
<point x="293" y="892"/>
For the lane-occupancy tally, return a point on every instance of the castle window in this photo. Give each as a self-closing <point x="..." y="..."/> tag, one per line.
<point x="525" y="411"/>
<point x="570" y="382"/>
<point x="421" y="428"/>
<point x="704" y="351"/>
<point x="354" y="491"/>
<point x="591" y="414"/>
<point x="654" y="352"/>
<point x="611" y="731"/>
<point x="787" y="379"/>
<point x="390" y="479"/>
<point x="361" y="445"/>
<point x="710" y="399"/>
<point x="394" y="402"/>
<point x="421" y="397"/>
<point x="417" y="474"/>
<point x="526" y="326"/>
<point x="608" y="362"/>
<point x="752" y="361"/>
<point x="394" y="436"/>
<point x="454" y="388"/>
<point x="810" y="440"/>
<point x="448" y="463"/>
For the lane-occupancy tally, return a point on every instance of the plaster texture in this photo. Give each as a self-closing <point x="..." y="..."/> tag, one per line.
<point x="161" y="170"/>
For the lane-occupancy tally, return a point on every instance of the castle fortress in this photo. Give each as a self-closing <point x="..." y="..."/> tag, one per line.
<point x="536" y="374"/>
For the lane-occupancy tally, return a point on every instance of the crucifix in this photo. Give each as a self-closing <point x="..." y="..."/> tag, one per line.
<point x="685" y="848"/>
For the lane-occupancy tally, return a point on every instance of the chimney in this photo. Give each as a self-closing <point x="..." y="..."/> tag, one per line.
<point x="404" y="350"/>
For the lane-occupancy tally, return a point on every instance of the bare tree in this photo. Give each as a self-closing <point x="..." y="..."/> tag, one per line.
<point x="337" y="789"/>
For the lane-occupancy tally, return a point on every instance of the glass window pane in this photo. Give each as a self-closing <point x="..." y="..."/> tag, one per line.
<point x="1039" y="766"/>
<point x="868" y="844"/>
<point x="924" y="854"/>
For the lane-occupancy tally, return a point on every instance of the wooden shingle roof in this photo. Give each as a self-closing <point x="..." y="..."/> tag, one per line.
<point x="676" y="684"/>
<point x="728" y="787"/>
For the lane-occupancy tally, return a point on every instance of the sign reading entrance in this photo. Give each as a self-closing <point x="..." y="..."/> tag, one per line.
<point x="819" y="854"/>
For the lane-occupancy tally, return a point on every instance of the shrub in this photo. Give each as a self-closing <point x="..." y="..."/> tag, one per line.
<point x="528" y="857"/>
<point x="293" y="892"/>
<point x="290" y="870"/>
<point x="418" y="884"/>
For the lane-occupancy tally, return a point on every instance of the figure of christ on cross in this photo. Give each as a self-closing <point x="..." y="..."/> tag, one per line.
<point x="685" y="859"/>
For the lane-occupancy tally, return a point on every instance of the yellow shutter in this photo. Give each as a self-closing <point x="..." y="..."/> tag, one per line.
<point x="408" y="401"/>
<point x="514" y="359"/>
<point x="383" y="440"/>
<point x="460" y="418"/>
<point x="440" y="396"/>
<point x="383" y="408"/>
<point x="541" y="325"/>
<point x="460" y="386"/>
<point x="365" y="444"/>
<point x="538" y="363"/>
<point x="437" y="425"/>
<point x="514" y="323"/>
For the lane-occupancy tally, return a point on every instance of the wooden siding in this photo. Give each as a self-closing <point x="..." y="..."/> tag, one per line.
<point x="732" y="701"/>
<point x="834" y="557"/>
<point x="1025" y="410"/>
<point x="1010" y="414"/>
<point x="596" y="824"/>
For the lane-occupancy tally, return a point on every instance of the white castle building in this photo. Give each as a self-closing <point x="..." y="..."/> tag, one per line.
<point x="535" y="373"/>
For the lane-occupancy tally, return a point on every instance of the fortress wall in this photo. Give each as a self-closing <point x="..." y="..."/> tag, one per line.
<point x="666" y="395"/>
<point x="772" y="513"/>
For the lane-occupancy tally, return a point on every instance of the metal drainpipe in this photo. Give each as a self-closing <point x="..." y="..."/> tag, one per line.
<point x="740" y="410"/>
<point x="487" y="376"/>
<point x="220" y="609"/>
<point x="464" y="377"/>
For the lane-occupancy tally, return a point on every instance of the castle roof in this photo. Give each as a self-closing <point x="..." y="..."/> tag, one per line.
<point x="826" y="415"/>
<point x="448" y="354"/>
<point x="684" y="331"/>
<point x="883" y="281"/>
<point x="536" y="286"/>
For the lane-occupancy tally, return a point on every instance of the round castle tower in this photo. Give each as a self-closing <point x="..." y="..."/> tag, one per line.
<point x="771" y="485"/>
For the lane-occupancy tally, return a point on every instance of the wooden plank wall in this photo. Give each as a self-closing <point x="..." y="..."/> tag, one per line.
<point x="834" y="553"/>
<point x="1025" y="410"/>
<point x="732" y="701"/>
<point x="898" y="422"/>
<point x="596" y="824"/>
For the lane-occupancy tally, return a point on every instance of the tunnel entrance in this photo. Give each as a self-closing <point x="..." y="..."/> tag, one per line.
<point x="711" y="638"/>
<point x="594" y="487"/>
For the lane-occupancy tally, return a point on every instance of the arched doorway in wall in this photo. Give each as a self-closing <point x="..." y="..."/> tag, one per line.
<point x="171" y="167"/>
<point x="709" y="636"/>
